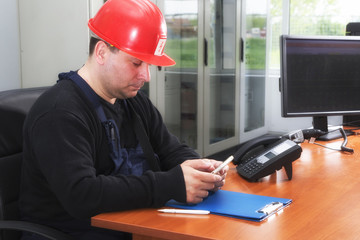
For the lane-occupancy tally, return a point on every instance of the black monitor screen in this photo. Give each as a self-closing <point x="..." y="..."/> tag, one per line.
<point x="320" y="76"/>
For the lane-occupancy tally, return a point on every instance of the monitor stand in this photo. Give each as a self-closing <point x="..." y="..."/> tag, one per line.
<point x="321" y="123"/>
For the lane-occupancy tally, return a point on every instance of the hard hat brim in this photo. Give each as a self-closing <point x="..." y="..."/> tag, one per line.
<point x="163" y="60"/>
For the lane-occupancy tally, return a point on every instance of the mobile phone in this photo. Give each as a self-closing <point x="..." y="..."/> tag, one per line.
<point x="226" y="162"/>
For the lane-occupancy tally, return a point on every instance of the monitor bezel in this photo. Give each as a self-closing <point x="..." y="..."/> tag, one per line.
<point x="283" y="77"/>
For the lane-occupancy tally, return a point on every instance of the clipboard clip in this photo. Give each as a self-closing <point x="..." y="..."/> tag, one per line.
<point x="271" y="208"/>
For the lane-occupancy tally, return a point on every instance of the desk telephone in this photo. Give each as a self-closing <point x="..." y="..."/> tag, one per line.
<point x="263" y="156"/>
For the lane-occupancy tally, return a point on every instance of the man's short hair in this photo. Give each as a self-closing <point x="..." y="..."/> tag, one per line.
<point x="94" y="41"/>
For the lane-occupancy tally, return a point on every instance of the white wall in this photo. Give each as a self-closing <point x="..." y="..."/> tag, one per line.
<point x="10" y="46"/>
<point x="41" y="38"/>
<point x="53" y="39"/>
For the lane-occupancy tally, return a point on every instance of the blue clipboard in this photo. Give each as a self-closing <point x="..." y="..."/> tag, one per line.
<point x="238" y="205"/>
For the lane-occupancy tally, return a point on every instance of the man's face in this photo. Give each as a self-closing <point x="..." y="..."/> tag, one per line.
<point x="124" y="75"/>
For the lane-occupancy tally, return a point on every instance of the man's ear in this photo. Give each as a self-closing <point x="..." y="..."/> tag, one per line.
<point x="100" y="51"/>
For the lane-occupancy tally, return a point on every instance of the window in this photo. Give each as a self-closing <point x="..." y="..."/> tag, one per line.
<point x="310" y="17"/>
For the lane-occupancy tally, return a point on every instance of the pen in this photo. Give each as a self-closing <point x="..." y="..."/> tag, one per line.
<point x="185" y="211"/>
<point x="226" y="162"/>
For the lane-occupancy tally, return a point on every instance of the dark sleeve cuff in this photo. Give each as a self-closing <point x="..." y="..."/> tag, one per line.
<point x="171" y="186"/>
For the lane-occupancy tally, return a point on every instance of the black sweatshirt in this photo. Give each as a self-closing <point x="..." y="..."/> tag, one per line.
<point x="66" y="167"/>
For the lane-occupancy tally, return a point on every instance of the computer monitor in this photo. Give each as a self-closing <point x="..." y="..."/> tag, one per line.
<point x="320" y="77"/>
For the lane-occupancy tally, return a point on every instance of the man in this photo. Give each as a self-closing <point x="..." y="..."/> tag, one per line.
<point x="93" y="143"/>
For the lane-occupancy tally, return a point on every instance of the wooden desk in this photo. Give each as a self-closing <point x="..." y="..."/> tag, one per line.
<point x="326" y="204"/>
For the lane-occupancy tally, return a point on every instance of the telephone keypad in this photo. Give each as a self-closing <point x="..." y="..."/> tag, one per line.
<point x="252" y="167"/>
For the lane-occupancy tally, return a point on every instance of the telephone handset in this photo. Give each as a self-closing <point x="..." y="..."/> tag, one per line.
<point x="263" y="156"/>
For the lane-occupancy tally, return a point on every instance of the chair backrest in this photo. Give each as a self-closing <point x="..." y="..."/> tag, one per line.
<point x="14" y="105"/>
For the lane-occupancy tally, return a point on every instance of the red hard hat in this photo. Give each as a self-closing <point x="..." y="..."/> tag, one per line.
<point x="136" y="27"/>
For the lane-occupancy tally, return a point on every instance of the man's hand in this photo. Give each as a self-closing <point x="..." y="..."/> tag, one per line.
<point x="221" y="173"/>
<point x="199" y="180"/>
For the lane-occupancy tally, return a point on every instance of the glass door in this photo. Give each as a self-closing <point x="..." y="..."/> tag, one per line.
<point x="201" y="92"/>
<point x="254" y="69"/>
<point x="181" y="111"/>
<point x="220" y="75"/>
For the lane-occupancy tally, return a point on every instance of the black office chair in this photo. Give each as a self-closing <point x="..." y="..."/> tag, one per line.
<point x="14" y="105"/>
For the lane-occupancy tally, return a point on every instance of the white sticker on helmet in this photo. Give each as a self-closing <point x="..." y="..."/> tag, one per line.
<point x="160" y="47"/>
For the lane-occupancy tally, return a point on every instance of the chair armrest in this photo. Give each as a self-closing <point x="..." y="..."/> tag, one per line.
<point x="42" y="230"/>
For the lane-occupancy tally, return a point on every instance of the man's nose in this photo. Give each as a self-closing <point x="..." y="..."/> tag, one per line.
<point x="145" y="72"/>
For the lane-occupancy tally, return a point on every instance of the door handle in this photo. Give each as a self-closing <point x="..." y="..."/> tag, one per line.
<point x="205" y="52"/>
<point x="241" y="50"/>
